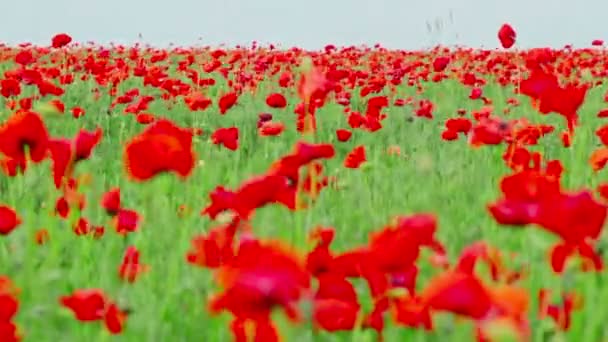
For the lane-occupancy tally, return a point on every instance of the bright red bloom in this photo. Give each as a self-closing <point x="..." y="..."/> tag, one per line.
<point x="459" y="293"/>
<point x="87" y="305"/>
<point x="9" y="220"/>
<point x="537" y="83"/>
<point x="524" y="192"/>
<point x="228" y="137"/>
<point x="335" y="305"/>
<point x="162" y="147"/>
<point x="62" y="207"/>
<point x="343" y="134"/>
<point x="23" y="129"/>
<point x="114" y="319"/>
<point x="9" y="332"/>
<point x="215" y="248"/>
<point x="126" y="221"/>
<point x="77" y="112"/>
<point x="60" y="40"/>
<point x="425" y="109"/>
<point x="197" y="101"/>
<point x="10" y="87"/>
<point x="65" y="153"/>
<point x="84" y="142"/>
<point x="227" y="101"/>
<point x="453" y="126"/>
<point x="531" y="197"/>
<point x="449" y="135"/>
<point x="24" y="57"/>
<point x="9" y="305"/>
<point x="440" y="63"/>
<point x="490" y="131"/>
<point x="355" y="158"/>
<point x="597" y="42"/>
<point x="476" y="93"/>
<point x="271" y="129"/>
<point x="252" y="194"/>
<point x="111" y="201"/>
<point x="63" y="158"/>
<point x="261" y="277"/>
<point x="278" y="185"/>
<point x="130" y="268"/>
<point x="276" y="100"/>
<point x="145" y="118"/>
<point x="389" y="259"/>
<point x="93" y="305"/>
<point x="507" y="36"/>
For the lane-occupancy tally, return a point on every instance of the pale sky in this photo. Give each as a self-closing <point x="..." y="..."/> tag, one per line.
<point x="307" y="23"/>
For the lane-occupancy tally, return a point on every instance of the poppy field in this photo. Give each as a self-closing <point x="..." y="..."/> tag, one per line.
<point x="261" y="194"/>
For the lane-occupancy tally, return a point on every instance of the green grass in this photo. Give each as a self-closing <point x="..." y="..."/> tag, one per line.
<point x="168" y="303"/>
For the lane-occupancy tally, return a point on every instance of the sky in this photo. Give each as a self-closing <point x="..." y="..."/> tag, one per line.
<point x="310" y="24"/>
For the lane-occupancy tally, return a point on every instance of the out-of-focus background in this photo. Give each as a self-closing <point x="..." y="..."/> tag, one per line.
<point x="311" y="24"/>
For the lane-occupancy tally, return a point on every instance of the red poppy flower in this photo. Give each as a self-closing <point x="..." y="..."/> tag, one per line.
<point x="162" y="147"/>
<point x="24" y="57"/>
<point x="126" y="221"/>
<point x="458" y="293"/>
<point x="92" y="305"/>
<point x="62" y="207"/>
<point x="343" y="134"/>
<point x="227" y="101"/>
<point x="130" y="268"/>
<point x="63" y="158"/>
<point x="215" y="248"/>
<point x="9" y="332"/>
<point x="60" y="40"/>
<point x="260" y="278"/>
<point x="9" y="305"/>
<point x="304" y="153"/>
<point x="507" y="36"/>
<point x="355" y="158"/>
<point x="228" y="137"/>
<point x="65" y="153"/>
<point x="145" y="118"/>
<point x="84" y="142"/>
<point x="23" y="129"/>
<point x="10" y="87"/>
<point x="440" y="63"/>
<point x="252" y="194"/>
<point x="476" y="93"/>
<point x="197" y="101"/>
<point x="9" y="220"/>
<point x="276" y="100"/>
<point x="271" y="129"/>
<point x="335" y="305"/>
<point x="77" y="112"/>
<point x="110" y="201"/>
<point x="87" y="305"/>
<point x="532" y="197"/>
<point x="389" y="259"/>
